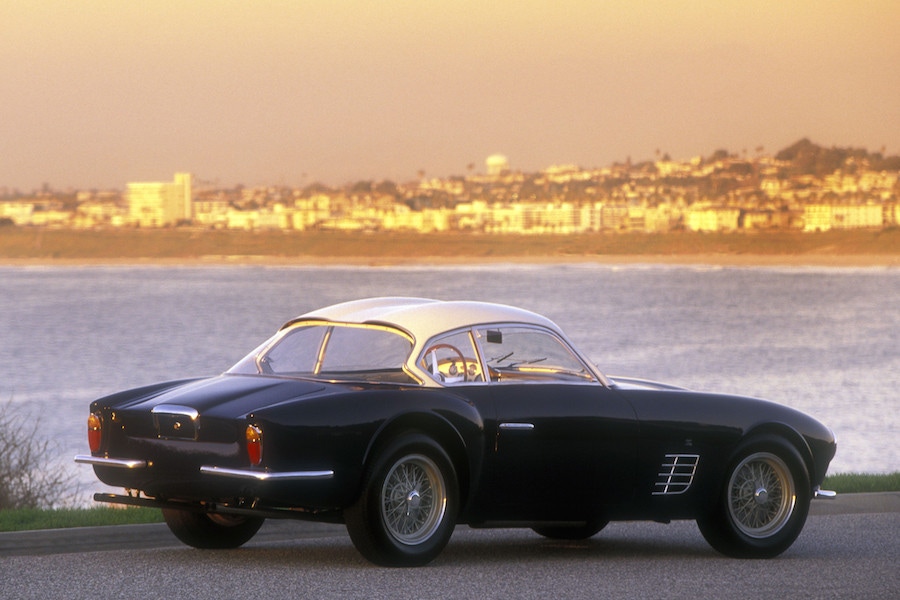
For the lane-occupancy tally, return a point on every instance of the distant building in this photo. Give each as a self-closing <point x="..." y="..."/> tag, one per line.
<point x="159" y="204"/>
<point x="824" y="217"/>
<point x="712" y="218"/>
<point x="497" y="165"/>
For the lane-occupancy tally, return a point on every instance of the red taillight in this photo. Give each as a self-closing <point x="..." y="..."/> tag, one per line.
<point x="95" y="431"/>
<point x="254" y="444"/>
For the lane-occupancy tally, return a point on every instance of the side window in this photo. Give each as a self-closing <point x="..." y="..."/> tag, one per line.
<point x="341" y="352"/>
<point x="522" y="354"/>
<point x="452" y="359"/>
<point x="352" y="349"/>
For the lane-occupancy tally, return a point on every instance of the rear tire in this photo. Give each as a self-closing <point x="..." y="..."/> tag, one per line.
<point x="211" y="531"/>
<point x="407" y="510"/>
<point x="763" y="502"/>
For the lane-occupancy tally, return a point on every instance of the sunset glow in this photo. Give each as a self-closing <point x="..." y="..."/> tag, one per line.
<point x="101" y="92"/>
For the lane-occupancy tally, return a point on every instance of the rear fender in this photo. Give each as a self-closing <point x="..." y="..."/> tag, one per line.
<point x="458" y="445"/>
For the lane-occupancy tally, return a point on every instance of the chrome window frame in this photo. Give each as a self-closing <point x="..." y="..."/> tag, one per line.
<point x="436" y="339"/>
<point x="322" y="351"/>
<point x="596" y="378"/>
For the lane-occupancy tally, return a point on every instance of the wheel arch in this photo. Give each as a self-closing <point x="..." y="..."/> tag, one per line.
<point x="761" y="431"/>
<point x="438" y="429"/>
<point x="789" y="434"/>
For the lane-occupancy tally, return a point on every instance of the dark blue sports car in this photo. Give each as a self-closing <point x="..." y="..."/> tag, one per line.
<point x="402" y="417"/>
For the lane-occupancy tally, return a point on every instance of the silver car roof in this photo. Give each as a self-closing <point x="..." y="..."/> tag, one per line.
<point x="425" y="318"/>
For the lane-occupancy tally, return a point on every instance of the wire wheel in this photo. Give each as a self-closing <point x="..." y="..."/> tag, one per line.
<point x="413" y="499"/>
<point x="761" y="495"/>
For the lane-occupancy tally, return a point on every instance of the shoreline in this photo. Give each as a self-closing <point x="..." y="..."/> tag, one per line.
<point x="713" y="260"/>
<point x="33" y="247"/>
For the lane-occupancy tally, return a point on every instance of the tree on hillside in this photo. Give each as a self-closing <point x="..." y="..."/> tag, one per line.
<point x="807" y="158"/>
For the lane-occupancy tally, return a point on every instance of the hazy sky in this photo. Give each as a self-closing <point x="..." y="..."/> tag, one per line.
<point x="96" y="93"/>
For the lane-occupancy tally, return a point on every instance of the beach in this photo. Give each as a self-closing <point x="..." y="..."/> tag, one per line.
<point x="855" y="248"/>
<point x="719" y="260"/>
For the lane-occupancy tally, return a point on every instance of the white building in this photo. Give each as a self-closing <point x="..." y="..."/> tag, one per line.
<point x="159" y="204"/>
<point x="497" y="165"/>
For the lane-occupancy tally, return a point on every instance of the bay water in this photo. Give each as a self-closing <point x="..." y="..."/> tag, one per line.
<point x="823" y="340"/>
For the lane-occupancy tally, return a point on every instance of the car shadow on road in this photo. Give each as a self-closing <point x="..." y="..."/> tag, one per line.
<point x="474" y="547"/>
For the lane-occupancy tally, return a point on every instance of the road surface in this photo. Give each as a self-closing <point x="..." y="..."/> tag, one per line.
<point x="848" y="549"/>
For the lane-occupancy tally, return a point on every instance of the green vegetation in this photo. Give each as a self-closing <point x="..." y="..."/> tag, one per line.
<point x="32" y="518"/>
<point x="27" y="480"/>
<point x="855" y="483"/>
<point x="200" y="245"/>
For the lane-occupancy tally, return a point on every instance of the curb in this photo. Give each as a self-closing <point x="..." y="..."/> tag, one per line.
<point x="852" y="504"/>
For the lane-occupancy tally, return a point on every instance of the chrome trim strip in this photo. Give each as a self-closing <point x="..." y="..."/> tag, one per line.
<point x="174" y="409"/>
<point x="517" y="426"/>
<point x="102" y="461"/>
<point x="265" y="475"/>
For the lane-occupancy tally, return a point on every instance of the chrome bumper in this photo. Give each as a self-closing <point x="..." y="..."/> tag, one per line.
<point x="266" y="475"/>
<point x="120" y="463"/>
<point x="826" y="494"/>
<point x="101" y="461"/>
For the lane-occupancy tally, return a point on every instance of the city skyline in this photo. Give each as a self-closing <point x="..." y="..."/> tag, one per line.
<point x="803" y="187"/>
<point x="101" y="93"/>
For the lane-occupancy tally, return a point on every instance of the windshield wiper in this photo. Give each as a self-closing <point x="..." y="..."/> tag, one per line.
<point x="528" y="362"/>
<point x="502" y="358"/>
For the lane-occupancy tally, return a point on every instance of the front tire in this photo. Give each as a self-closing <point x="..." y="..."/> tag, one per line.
<point x="763" y="503"/>
<point x="211" y="531"/>
<point x="407" y="510"/>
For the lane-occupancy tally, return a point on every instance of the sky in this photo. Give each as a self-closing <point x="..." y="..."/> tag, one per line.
<point x="98" y="93"/>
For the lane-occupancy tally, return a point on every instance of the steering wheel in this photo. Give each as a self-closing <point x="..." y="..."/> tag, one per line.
<point x="455" y="350"/>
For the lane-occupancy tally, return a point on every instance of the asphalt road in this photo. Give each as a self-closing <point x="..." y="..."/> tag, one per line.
<point x="848" y="549"/>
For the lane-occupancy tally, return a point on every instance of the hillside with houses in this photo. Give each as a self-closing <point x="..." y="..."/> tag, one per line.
<point x="804" y="187"/>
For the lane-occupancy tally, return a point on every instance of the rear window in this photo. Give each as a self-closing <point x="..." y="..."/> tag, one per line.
<point x="333" y="351"/>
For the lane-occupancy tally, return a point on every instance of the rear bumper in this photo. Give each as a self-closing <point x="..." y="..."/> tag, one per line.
<point x="254" y="475"/>
<point x="101" y="461"/>
<point x="266" y="475"/>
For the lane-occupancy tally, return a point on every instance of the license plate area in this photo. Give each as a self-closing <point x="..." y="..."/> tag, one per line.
<point x="176" y="422"/>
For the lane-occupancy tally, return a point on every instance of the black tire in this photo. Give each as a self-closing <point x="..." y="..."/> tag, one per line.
<point x="407" y="510"/>
<point x="211" y="531"/>
<point x="763" y="502"/>
<point x="570" y="532"/>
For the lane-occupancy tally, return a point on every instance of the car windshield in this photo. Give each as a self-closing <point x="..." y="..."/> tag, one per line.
<point x="332" y="351"/>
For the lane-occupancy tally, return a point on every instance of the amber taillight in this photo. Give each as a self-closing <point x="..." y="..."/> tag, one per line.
<point x="95" y="431"/>
<point x="254" y="444"/>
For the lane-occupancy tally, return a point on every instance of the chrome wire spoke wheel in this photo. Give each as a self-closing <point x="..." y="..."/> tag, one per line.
<point x="761" y="495"/>
<point x="413" y="499"/>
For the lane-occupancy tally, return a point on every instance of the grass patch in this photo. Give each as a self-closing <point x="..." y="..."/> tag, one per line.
<point x="855" y="483"/>
<point x="26" y="519"/>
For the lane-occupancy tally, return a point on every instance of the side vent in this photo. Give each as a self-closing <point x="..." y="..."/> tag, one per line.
<point x="676" y="474"/>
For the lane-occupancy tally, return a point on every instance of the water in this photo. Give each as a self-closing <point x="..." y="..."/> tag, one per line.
<point x="823" y="340"/>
